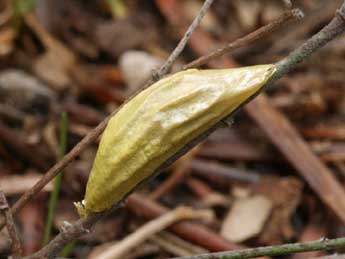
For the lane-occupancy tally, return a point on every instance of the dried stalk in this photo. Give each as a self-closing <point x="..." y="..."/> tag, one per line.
<point x="279" y="250"/>
<point x="11" y="228"/>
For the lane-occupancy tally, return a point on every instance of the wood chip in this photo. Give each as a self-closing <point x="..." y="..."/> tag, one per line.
<point x="285" y="194"/>
<point x="246" y="218"/>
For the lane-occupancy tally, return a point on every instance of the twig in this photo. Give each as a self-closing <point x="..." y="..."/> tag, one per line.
<point x="57" y="183"/>
<point x="182" y="44"/>
<point x="332" y="256"/>
<point x="16" y="247"/>
<point x="177" y="176"/>
<point x="175" y="245"/>
<point x="67" y="234"/>
<point x="120" y="249"/>
<point x="225" y="172"/>
<point x="80" y="227"/>
<point x="179" y="173"/>
<point x="329" y="32"/>
<point x="279" y="250"/>
<point x="97" y="131"/>
<point x="249" y="38"/>
<point x="195" y="233"/>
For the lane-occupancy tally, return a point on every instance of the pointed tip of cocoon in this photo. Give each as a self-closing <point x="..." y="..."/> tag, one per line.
<point x="260" y="76"/>
<point x="249" y="80"/>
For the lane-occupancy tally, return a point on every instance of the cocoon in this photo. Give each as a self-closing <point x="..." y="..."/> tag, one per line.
<point x="159" y="121"/>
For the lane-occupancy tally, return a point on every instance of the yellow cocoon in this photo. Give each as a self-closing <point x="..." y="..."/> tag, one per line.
<point x="158" y="122"/>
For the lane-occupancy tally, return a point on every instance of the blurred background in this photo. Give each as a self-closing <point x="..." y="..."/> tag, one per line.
<point x="266" y="179"/>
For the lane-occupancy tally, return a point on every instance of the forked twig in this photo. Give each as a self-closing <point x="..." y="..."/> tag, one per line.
<point x="249" y="38"/>
<point x="11" y="228"/>
<point x="165" y="68"/>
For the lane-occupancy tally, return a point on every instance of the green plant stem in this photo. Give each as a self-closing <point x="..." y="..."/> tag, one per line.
<point x="67" y="249"/>
<point x="118" y="8"/>
<point x="19" y="9"/>
<point x="57" y="182"/>
<point x="279" y="250"/>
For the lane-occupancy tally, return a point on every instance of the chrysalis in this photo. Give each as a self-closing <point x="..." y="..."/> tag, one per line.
<point x="158" y="122"/>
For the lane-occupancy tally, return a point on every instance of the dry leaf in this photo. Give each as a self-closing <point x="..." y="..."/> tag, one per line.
<point x="285" y="193"/>
<point x="246" y="218"/>
<point x="52" y="69"/>
<point x="55" y="64"/>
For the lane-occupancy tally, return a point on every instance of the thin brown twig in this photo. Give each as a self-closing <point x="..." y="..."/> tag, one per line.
<point x="333" y="29"/>
<point x="249" y="38"/>
<point x="174" y="179"/>
<point x="193" y="232"/>
<point x="11" y="228"/>
<point x="97" y="131"/>
<point x="332" y="256"/>
<point x="120" y="249"/>
<point x="175" y="245"/>
<point x="278" y="250"/>
<point x="182" y="44"/>
<point x="182" y="169"/>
